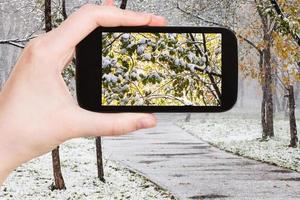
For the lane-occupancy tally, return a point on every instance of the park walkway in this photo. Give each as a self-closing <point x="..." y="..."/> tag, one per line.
<point x="192" y="169"/>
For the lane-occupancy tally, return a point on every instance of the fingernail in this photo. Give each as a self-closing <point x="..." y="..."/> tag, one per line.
<point x="146" y="122"/>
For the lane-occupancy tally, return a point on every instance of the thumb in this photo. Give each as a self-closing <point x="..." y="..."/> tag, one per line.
<point x="88" y="123"/>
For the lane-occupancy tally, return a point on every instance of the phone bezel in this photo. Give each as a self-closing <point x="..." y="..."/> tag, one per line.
<point x="89" y="60"/>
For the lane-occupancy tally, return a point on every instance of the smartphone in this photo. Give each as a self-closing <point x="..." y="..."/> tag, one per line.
<point x="157" y="69"/>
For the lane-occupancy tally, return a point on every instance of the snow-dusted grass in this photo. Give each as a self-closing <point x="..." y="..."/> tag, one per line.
<point x="32" y="180"/>
<point x="240" y="134"/>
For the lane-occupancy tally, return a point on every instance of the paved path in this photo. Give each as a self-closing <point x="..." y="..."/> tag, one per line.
<point x="191" y="169"/>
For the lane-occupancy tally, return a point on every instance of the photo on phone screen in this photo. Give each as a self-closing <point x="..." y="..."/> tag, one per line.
<point x="161" y="69"/>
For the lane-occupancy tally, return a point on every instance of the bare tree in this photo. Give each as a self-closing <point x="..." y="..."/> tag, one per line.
<point x="99" y="155"/>
<point x="58" y="178"/>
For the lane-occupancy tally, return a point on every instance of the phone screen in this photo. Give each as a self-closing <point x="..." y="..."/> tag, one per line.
<point x="161" y="69"/>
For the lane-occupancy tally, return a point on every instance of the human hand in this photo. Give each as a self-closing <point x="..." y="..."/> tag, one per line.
<point x="37" y="112"/>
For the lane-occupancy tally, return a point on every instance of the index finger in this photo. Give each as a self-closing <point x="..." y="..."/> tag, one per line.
<point x="89" y="17"/>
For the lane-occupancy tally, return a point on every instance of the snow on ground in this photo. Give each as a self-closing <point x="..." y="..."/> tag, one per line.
<point x="78" y="159"/>
<point x="240" y="134"/>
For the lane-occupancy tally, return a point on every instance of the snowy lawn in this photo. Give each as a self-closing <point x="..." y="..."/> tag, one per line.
<point x="78" y="158"/>
<point x="240" y="134"/>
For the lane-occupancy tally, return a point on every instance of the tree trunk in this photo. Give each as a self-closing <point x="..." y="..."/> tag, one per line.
<point x="64" y="11"/>
<point x="98" y="139"/>
<point x="267" y="72"/>
<point x="242" y="92"/>
<point x="297" y="92"/>
<point x="48" y="19"/>
<point x="58" y="178"/>
<point x="277" y="102"/>
<point x="277" y="107"/>
<point x="263" y="115"/>
<point x="123" y="4"/>
<point x="284" y="106"/>
<point x="188" y="117"/>
<point x="269" y="94"/>
<point x="267" y="111"/>
<point x="263" y="102"/>
<point x="99" y="159"/>
<point x="293" y="125"/>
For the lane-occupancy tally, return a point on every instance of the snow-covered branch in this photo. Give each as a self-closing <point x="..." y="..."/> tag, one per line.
<point x="216" y="24"/>
<point x="283" y="18"/>
<point x="183" y="101"/>
<point x="17" y="42"/>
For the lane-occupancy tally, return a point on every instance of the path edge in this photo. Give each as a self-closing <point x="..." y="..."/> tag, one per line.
<point x="236" y="153"/>
<point x="143" y="175"/>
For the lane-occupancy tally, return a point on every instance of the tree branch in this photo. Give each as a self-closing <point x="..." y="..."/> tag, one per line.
<point x="202" y="54"/>
<point x="17" y="45"/>
<point x="280" y="13"/>
<point x="208" y="73"/>
<point x="17" y="42"/>
<point x="210" y="76"/>
<point x="217" y="24"/>
<point x="199" y="17"/>
<point x="165" y="97"/>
